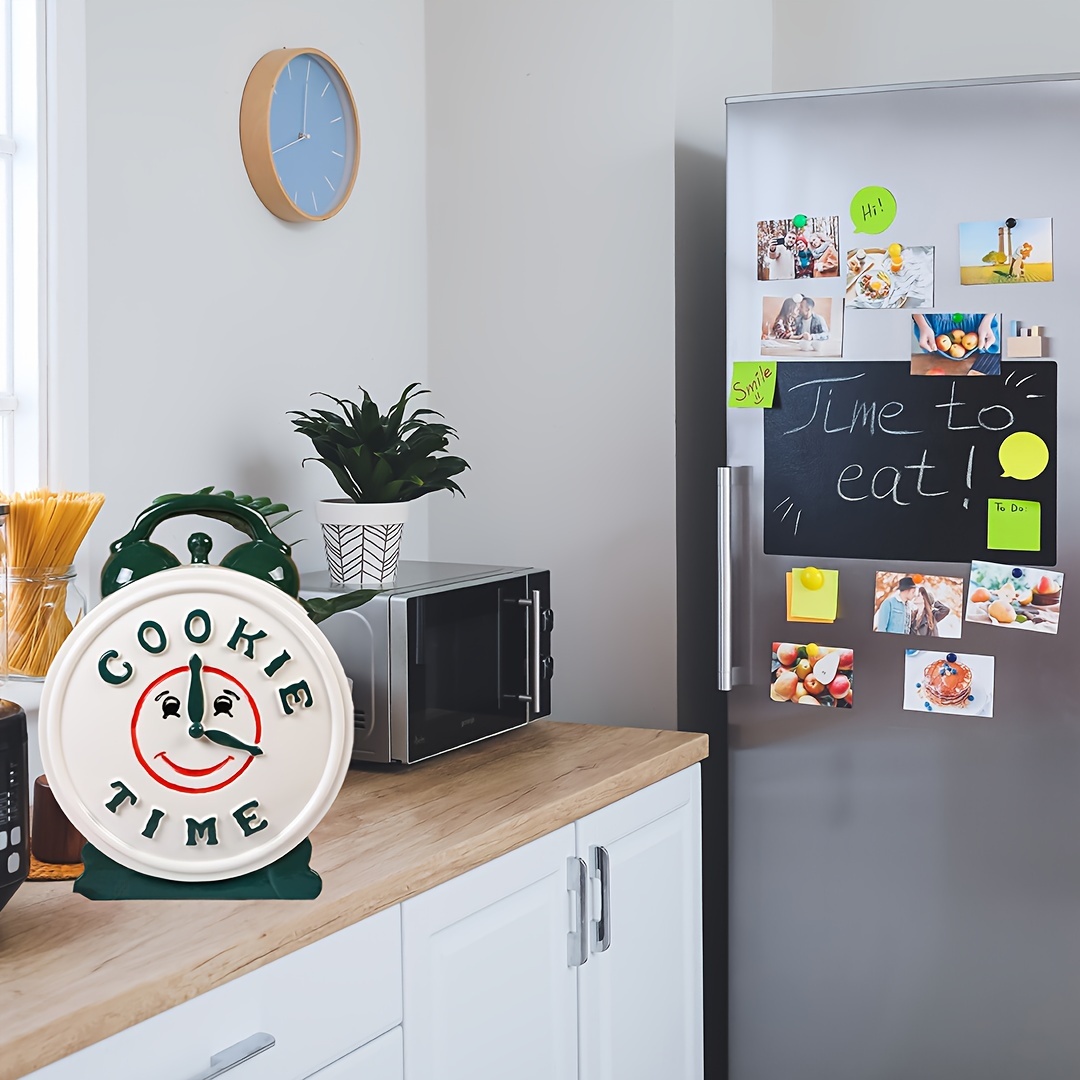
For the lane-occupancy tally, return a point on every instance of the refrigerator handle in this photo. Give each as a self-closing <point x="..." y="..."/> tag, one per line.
<point x="724" y="575"/>
<point x="732" y="485"/>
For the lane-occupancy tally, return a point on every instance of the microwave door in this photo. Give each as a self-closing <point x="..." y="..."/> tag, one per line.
<point x="467" y="666"/>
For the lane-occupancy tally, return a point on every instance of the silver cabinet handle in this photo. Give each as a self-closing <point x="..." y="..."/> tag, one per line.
<point x="601" y="928"/>
<point x="237" y="1054"/>
<point x="724" y="575"/>
<point x="532" y="691"/>
<point x="577" y="941"/>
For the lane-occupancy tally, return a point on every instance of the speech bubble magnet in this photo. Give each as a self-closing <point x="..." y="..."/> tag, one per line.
<point x="873" y="209"/>
<point x="1023" y="455"/>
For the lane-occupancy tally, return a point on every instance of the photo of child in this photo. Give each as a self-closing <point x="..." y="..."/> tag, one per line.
<point x="956" y="344"/>
<point x="798" y="247"/>
<point x="1009" y="251"/>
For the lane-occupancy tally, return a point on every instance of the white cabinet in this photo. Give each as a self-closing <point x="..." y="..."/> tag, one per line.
<point x="379" y="1060"/>
<point x="318" y="1003"/>
<point x="640" y="993"/>
<point x="488" y="990"/>
<point x="480" y="978"/>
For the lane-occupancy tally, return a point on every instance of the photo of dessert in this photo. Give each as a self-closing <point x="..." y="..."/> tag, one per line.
<point x="812" y="674"/>
<point x="959" y="683"/>
<point x="893" y="276"/>
<point x="1015" y="596"/>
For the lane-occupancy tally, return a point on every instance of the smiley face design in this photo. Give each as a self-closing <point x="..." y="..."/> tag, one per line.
<point x="196" y="729"/>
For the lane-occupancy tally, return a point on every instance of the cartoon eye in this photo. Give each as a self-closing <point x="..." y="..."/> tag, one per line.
<point x="223" y="703"/>
<point x="170" y="706"/>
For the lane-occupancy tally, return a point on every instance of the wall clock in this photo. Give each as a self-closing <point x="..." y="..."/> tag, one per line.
<point x="299" y="134"/>
<point x="196" y="725"/>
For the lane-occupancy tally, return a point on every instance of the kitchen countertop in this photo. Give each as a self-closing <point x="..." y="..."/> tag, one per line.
<point x="73" y="971"/>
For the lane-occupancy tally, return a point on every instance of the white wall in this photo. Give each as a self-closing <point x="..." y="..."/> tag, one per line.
<point x="208" y="317"/>
<point x="551" y="242"/>
<point x="845" y="43"/>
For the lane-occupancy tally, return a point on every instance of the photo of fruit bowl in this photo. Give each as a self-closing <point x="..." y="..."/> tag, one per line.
<point x="957" y="345"/>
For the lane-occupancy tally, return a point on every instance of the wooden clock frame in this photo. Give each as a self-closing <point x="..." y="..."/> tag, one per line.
<point x="255" y="134"/>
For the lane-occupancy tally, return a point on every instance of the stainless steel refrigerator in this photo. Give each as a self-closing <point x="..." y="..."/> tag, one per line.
<point x="905" y="885"/>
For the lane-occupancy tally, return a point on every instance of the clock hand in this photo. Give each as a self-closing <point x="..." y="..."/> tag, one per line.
<point x="223" y="738"/>
<point x="196" y="700"/>
<point x="307" y="79"/>
<point x="301" y="138"/>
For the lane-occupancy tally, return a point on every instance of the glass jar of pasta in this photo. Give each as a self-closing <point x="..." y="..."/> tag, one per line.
<point x="43" y="605"/>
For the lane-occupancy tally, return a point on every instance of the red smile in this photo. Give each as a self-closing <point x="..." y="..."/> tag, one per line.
<point x="193" y="772"/>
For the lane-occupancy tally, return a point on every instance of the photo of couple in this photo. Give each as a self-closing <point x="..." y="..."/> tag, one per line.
<point x="917" y="604"/>
<point x="798" y="323"/>
<point x="798" y="247"/>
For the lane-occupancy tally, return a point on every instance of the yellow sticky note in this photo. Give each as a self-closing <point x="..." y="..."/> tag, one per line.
<point x="816" y="604"/>
<point x="1013" y="524"/>
<point x="753" y="385"/>
<point x="792" y="618"/>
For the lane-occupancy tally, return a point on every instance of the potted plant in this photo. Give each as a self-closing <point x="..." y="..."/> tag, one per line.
<point x="382" y="462"/>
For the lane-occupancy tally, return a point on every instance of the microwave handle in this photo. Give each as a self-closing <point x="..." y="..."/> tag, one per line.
<point x="532" y="688"/>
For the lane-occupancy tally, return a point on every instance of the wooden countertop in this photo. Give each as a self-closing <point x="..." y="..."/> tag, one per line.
<point x="73" y="971"/>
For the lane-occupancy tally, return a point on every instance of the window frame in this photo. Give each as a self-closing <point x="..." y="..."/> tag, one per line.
<point x="25" y="409"/>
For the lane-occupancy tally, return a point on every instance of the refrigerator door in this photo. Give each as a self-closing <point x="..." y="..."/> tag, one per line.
<point x="905" y="885"/>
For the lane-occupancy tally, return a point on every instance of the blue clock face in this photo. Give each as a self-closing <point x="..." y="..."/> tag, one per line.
<point x="312" y="136"/>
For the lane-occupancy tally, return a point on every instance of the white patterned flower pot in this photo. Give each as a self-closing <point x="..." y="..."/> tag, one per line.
<point x="362" y="540"/>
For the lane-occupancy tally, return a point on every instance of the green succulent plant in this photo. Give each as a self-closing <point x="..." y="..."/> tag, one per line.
<point x="377" y="458"/>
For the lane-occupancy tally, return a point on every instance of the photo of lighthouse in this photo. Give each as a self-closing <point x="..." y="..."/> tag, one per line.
<point x="1006" y="252"/>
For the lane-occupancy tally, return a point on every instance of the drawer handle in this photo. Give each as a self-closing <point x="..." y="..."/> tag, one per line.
<point x="237" y="1054"/>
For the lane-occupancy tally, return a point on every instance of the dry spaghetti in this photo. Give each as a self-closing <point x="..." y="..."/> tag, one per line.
<point x="44" y="531"/>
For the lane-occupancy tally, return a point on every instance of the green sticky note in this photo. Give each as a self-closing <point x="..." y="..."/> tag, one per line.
<point x="753" y="385"/>
<point x="817" y="603"/>
<point x="1013" y="524"/>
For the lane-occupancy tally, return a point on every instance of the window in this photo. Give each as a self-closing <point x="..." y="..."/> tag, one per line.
<point x="22" y="245"/>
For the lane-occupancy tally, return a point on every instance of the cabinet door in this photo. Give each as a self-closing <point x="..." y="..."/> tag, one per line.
<point x="379" y="1060"/>
<point x="640" y="997"/>
<point x="488" y="990"/>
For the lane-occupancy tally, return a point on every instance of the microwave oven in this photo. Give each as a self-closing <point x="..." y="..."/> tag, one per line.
<point x="447" y="655"/>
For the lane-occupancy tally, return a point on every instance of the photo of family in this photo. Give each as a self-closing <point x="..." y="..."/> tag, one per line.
<point x="893" y="276"/>
<point x="956" y="344"/>
<point x="959" y="683"/>
<point x="1006" y="252"/>
<point x="923" y="605"/>
<point x="798" y="247"/>
<point x="793" y="325"/>
<point x="1014" y="596"/>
